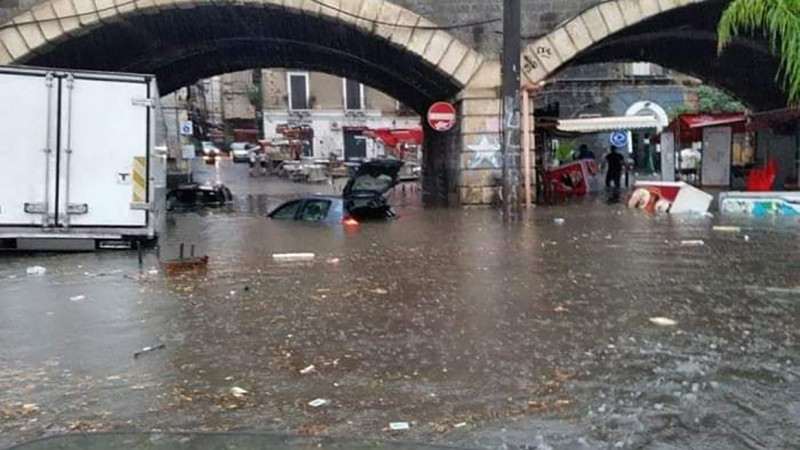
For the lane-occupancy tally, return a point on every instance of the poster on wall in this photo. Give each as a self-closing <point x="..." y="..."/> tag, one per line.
<point x="716" y="162"/>
<point x="668" y="156"/>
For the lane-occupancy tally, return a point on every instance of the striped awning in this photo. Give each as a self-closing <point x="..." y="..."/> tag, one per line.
<point x="601" y="124"/>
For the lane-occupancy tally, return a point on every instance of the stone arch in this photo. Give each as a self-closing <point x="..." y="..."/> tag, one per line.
<point x="33" y="36"/>
<point x="553" y="51"/>
<point x="677" y="34"/>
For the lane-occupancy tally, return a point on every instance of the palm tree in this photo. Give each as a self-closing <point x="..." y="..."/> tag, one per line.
<point x="779" y="20"/>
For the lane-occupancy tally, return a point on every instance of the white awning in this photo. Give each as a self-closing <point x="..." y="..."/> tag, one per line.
<point x="599" y="124"/>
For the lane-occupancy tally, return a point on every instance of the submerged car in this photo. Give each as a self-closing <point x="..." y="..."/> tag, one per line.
<point x="363" y="198"/>
<point x="194" y="196"/>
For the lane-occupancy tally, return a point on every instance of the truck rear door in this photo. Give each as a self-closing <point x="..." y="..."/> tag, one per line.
<point x="103" y="151"/>
<point x="27" y="128"/>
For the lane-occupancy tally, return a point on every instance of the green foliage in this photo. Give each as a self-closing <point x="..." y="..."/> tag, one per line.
<point x="710" y="100"/>
<point x="779" y="20"/>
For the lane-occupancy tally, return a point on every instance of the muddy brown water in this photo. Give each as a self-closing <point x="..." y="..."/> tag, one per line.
<point x="477" y="333"/>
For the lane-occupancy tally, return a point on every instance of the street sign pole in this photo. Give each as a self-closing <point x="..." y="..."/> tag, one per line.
<point x="512" y="47"/>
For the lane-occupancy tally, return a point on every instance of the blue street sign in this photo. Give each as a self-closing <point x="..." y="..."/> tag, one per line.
<point x="619" y="139"/>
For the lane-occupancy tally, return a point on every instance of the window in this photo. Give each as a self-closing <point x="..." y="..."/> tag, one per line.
<point x="287" y="211"/>
<point x="315" y="210"/>
<point x="298" y="90"/>
<point x="353" y="95"/>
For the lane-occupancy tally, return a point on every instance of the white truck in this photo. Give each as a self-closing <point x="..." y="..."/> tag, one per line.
<point x="80" y="167"/>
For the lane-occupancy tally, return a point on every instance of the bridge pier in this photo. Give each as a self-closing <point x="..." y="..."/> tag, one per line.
<point x="463" y="167"/>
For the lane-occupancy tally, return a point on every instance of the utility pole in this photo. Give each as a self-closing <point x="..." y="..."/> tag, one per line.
<point x="512" y="47"/>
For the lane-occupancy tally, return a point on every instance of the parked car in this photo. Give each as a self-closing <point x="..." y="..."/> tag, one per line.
<point x="240" y="151"/>
<point x="364" y="198"/>
<point x="209" y="149"/>
<point x="194" y="196"/>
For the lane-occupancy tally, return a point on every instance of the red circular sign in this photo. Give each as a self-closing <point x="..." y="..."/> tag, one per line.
<point x="442" y="116"/>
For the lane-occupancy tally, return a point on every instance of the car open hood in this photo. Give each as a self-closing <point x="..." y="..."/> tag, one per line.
<point x="374" y="177"/>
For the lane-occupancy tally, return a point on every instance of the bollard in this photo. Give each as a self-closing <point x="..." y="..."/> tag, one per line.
<point x="180" y="252"/>
<point x="139" y="251"/>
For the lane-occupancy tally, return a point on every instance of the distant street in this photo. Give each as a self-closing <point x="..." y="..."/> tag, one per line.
<point x="602" y="330"/>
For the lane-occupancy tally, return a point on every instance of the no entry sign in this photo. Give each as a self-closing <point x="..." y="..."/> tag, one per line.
<point x="442" y="116"/>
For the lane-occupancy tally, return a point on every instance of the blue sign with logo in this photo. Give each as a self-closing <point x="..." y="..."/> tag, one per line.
<point x="619" y="139"/>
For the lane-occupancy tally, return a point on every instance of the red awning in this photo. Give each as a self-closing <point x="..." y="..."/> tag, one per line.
<point x="691" y="126"/>
<point x="392" y="137"/>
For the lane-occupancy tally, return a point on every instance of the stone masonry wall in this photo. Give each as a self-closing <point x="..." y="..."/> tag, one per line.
<point x="539" y="16"/>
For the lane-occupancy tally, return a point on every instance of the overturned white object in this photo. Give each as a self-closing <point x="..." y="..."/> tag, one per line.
<point x="678" y="198"/>
<point x="307" y="370"/>
<point x="36" y="270"/>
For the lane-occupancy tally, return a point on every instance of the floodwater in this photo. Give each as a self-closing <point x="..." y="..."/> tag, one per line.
<point x="535" y="335"/>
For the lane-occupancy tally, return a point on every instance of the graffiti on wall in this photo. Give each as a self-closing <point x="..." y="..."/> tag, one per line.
<point x="485" y="154"/>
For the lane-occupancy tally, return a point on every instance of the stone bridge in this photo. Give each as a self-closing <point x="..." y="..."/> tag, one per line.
<point x="406" y="48"/>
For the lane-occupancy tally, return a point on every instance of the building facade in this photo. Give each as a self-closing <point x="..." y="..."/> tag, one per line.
<point x="336" y="110"/>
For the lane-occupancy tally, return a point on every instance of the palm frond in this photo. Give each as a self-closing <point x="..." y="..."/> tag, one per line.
<point x="779" y="20"/>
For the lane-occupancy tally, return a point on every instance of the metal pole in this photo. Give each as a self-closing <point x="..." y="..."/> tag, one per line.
<point x="512" y="49"/>
<point x="526" y="146"/>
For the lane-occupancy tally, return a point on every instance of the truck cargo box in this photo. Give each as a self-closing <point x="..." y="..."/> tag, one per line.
<point x="80" y="161"/>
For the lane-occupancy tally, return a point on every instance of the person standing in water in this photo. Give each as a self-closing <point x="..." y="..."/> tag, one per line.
<point x="614" y="162"/>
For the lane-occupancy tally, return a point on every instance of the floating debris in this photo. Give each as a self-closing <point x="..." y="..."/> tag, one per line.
<point x="316" y="403"/>
<point x="693" y="243"/>
<point x="727" y="229"/>
<point x="77" y="298"/>
<point x="307" y="370"/>
<point x="238" y="392"/>
<point x="399" y="426"/>
<point x="148" y="350"/>
<point x="293" y="257"/>
<point x="663" y="321"/>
